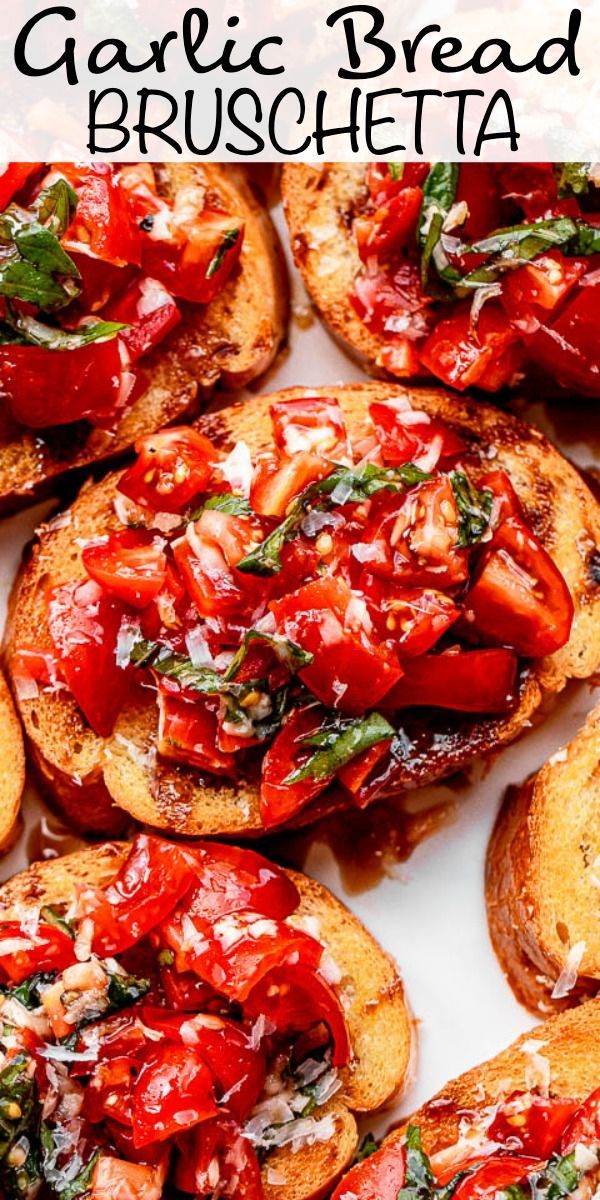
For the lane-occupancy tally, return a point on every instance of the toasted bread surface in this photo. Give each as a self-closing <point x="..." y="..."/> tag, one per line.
<point x="125" y="770"/>
<point x="232" y="340"/>
<point x="568" y="1046"/>
<point x="376" y="1011"/>
<point x="12" y="758"/>
<point x="543" y="878"/>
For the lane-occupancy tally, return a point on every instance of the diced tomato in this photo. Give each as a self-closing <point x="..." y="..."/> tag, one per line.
<point x="236" y="535"/>
<point x="478" y="187"/>
<point x="506" y="503"/>
<point x="101" y="225"/>
<point x="391" y="300"/>
<point x="100" y="281"/>
<point x="311" y="424"/>
<point x="531" y="186"/>
<point x="117" y="1179"/>
<point x="532" y="294"/>
<point x="171" y="468"/>
<point x="23" y="954"/>
<point x="277" y="482"/>
<point x="187" y="733"/>
<point x="480" y="681"/>
<point x="355" y="775"/>
<point x="294" y="1000"/>
<point x="280" y="799"/>
<point x="495" y="1174"/>
<point x="119" y="1036"/>
<point x="84" y="625"/>
<point x="487" y="357"/>
<point x="406" y="435"/>
<point x="12" y="178"/>
<point x="150" y="312"/>
<point x="417" y="535"/>
<point x="29" y="665"/>
<point x="349" y="671"/>
<point x="567" y="348"/>
<point x="218" y="1149"/>
<point x="231" y="878"/>
<point x="384" y="179"/>
<point x="519" y="597"/>
<point x="584" y="1126"/>
<point x="185" y="992"/>
<point x="45" y="387"/>
<point x="198" y="268"/>
<point x="167" y="611"/>
<point x="155" y="876"/>
<point x="414" y="619"/>
<point x="400" y="357"/>
<point x="533" y="1124"/>
<point x="214" y="586"/>
<point x="387" y="229"/>
<point x="237" y="1066"/>
<point x="109" y="1091"/>
<point x="381" y="1175"/>
<point x="129" y="564"/>
<point x="174" y="1091"/>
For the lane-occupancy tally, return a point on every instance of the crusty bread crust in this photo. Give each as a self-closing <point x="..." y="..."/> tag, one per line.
<point x="232" y="340"/>
<point x="542" y="875"/>
<point x="378" y="1019"/>
<point x="570" y="1044"/>
<point x="86" y="773"/>
<point x="12" y="777"/>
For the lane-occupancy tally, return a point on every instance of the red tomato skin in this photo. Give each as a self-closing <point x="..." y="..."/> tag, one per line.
<point x="310" y="424"/>
<point x="584" y="1126"/>
<point x="495" y="1173"/>
<point x="280" y="800"/>
<point x="50" y="950"/>
<point x="295" y="999"/>
<point x="567" y="348"/>
<point x="101" y="222"/>
<point x="222" y="1142"/>
<point x="172" y="467"/>
<point x="414" y="619"/>
<point x="478" y="186"/>
<point x="153" y="879"/>
<point x="488" y="358"/>
<point x="531" y="294"/>
<point x="150" y="311"/>
<point x="109" y="1091"/>
<point x="386" y="230"/>
<point x="128" y="564"/>
<point x="231" y="878"/>
<point x="44" y="388"/>
<point x="173" y="1093"/>
<point x="504" y="603"/>
<point x="84" y="624"/>
<point x="381" y="1175"/>
<point x="536" y="1129"/>
<point x="187" y="270"/>
<point x="12" y="179"/>
<point x="404" y="438"/>
<point x="355" y="774"/>
<point x="477" y="681"/>
<point x="382" y="184"/>
<point x="187" y="733"/>
<point x="418" y="537"/>
<point x="277" y="482"/>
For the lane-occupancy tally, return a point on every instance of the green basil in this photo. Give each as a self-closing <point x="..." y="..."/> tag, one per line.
<point x="226" y="502"/>
<point x="28" y="993"/>
<point x="573" y="178"/>
<point x="52" y="337"/>
<point x="17" y="1101"/>
<point x="474" y="508"/>
<point x="33" y="265"/>
<point x="52" y="1169"/>
<point x="511" y="247"/>
<point x="587" y="240"/>
<point x="291" y="655"/>
<point x="439" y="194"/>
<point x="345" y="485"/>
<point x="55" y="207"/>
<point x="367" y="1147"/>
<point x="562" y="1176"/>
<point x="395" y="170"/>
<point x="124" y="990"/>
<point x="181" y="668"/>
<point x="229" y="239"/>
<point x="339" y="742"/>
<point x="419" y="1183"/>
<point x="52" y="917"/>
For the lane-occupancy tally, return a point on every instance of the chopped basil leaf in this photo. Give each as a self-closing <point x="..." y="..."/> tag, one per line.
<point x="587" y="240"/>
<point x="17" y="1101"/>
<point x="181" y="668"/>
<point x="56" y="206"/>
<point x="229" y="240"/>
<point x="439" y="194"/>
<point x="227" y="503"/>
<point x="20" y="1173"/>
<point x="124" y="990"/>
<point x="337" y="743"/>
<point x="573" y="178"/>
<point x="474" y="508"/>
<point x="395" y="170"/>
<point x="57" y="1174"/>
<point x="33" y="264"/>
<point x="563" y="1176"/>
<point x="514" y="241"/>
<point x="345" y="485"/>
<point x="52" y="917"/>
<point x="418" y="1179"/>
<point x="288" y="653"/>
<point x="52" y="337"/>
<point x="28" y="992"/>
<point x="367" y="1147"/>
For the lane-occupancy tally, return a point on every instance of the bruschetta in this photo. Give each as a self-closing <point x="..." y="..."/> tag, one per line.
<point x="126" y="294"/>
<point x="542" y="878"/>
<point x="185" y="1019"/>
<point x="12" y="757"/>
<point x="473" y="274"/>
<point x="525" y="1124"/>
<point x="317" y="597"/>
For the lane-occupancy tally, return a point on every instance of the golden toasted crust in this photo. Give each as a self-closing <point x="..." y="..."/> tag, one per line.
<point x="542" y="876"/>
<point x="124" y="769"/>
<point x="12" y="758"/>
<point x="377" y="1015"/>
<point x="570" y="1042"/>
<point x="232" y="340"/>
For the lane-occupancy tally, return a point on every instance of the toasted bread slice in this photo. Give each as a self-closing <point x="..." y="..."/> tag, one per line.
<point x="86" y="774"/>
<point x="12" y="757"/>
<point x="231" y="340"/>
<point x="378" y="1019"/>
<point x="566" y="1048"/>
<point x="543" y="878"/>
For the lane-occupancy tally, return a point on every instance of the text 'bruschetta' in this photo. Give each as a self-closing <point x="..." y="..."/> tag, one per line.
<point x="314" y="597"/>
<point x="125" y="293"/>
<point x="473" y="273"/>
<point x="523" y="1126"/>
<point x="543" y="878"/>
<point x="187" y="1020"/>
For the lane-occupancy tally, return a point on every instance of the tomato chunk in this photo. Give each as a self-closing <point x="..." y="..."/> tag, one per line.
<point x="23" y="954"/>
<point x="388" y="229"/>
<point x="84" y="625"/>
<point x="280" y="799"/>
<point x="534" y="1124"/>
<point x="174" y="1091"/>
<point x="294" y="1000"/>
<point x="171" y="468"/>
<point x="150" y="312"/>
<point x="197" y="266"/>
<point x="519" y="597"/>
<point x="567" y="348"/>
<point x="128" y="564"/>
<point x="532" y="294"/>
<point x="218" y="1148"/>
<point x="406" y="435"/>
<point x="417" y="537"/>
<point x="414" y="619"/>
<point x="156" y="875"/>
<point x="101" y="225"/>
<point x="479" y="681"/>
<point x="230" y="878"/>
<point x="313" y="424"/>
<point x="380" y="1175"/>
<point x="584" y="1126"/>
<point x="460" y="355"/>
<point x="495" y="1174"/>
<point x="45" y="387"/>
<point x="187" y="733"/>
<point x="13" y="177"/>
<point x="349" y="671"/>
<point x="277" y="482"/>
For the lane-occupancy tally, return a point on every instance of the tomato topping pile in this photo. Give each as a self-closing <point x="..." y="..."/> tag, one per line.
<point x="299" y="608"/>
<point x="475" y="273"/>
<point x="94" y="263"/>
<point x="139" y="1029"/>
<point x="528" y="1146"/>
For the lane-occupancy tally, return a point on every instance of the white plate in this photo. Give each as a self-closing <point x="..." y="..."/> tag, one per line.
<point x="428" y="912"/>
